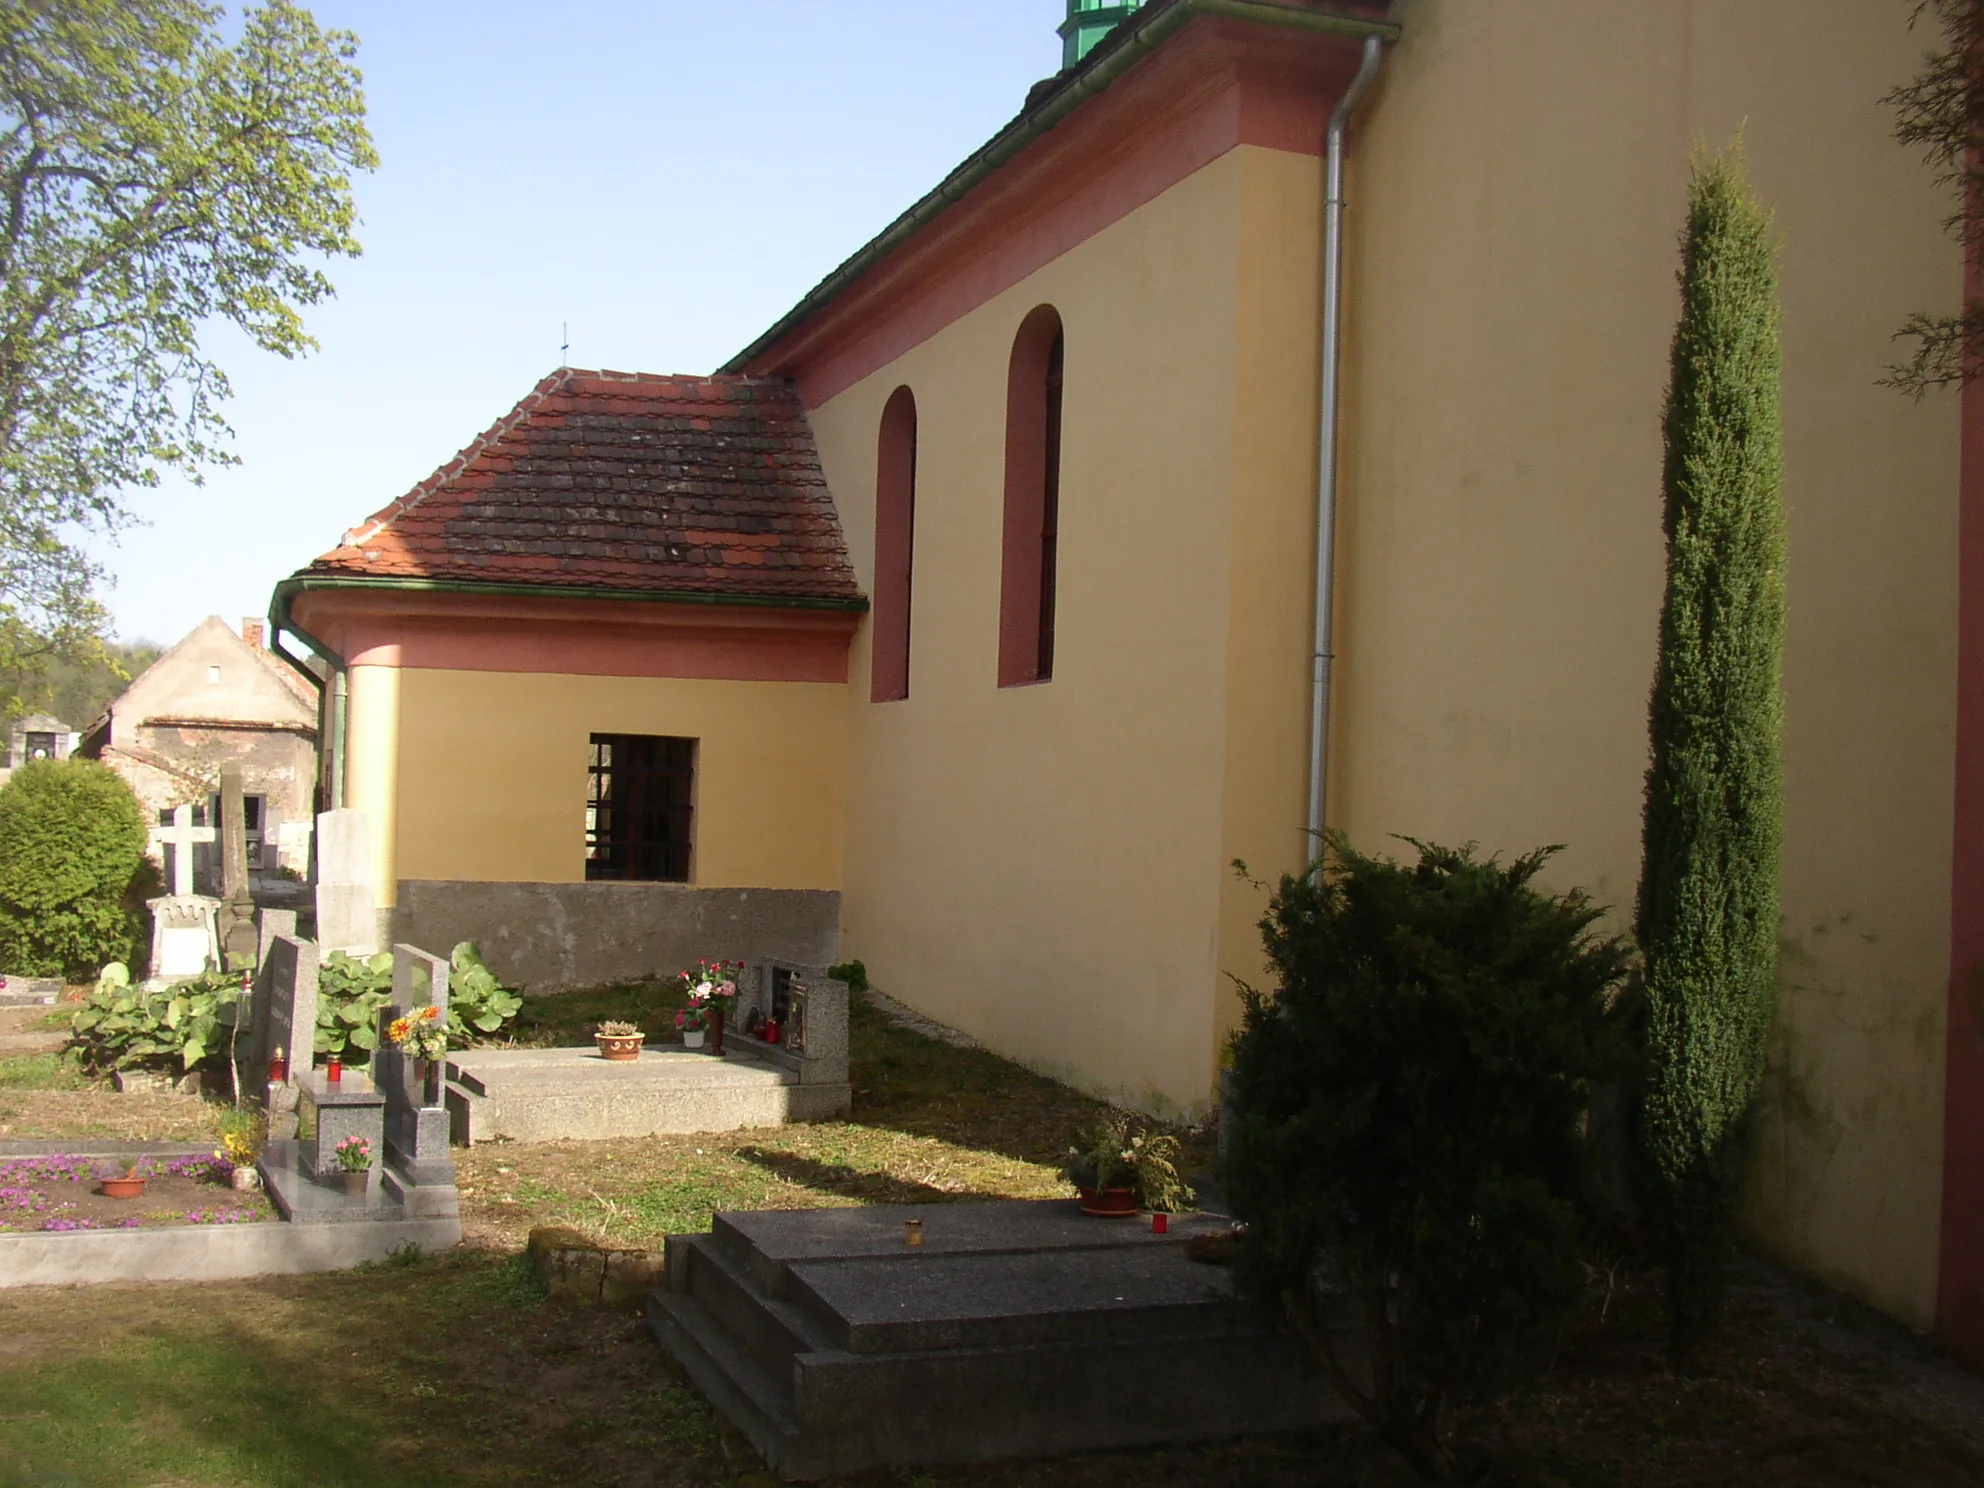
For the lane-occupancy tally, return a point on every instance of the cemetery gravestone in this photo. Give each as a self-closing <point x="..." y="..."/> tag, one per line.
<point x="347" y="910"/>
<point x="269" y="923"/>
<point x="184" y="941"/>
<point x="286" y="1023"/>
<point x="351" y="1106"/>
<point x="530" y="1095"/>
<point x="418" y="1170"/>
<point x="235" y="920"/>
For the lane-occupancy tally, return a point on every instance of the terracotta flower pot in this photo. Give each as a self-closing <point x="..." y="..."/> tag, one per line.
<point x="123" y="1188"/>
<point x="354" y="1183"/>
<point x="1111" y="1203"/>
<point x="617" y="1047"/>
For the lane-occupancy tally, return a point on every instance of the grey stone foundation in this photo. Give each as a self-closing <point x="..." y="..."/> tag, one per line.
<point x="553" y="937"/>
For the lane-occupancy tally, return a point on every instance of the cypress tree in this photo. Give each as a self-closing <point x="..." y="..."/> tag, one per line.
<point x="1708" y="900"/>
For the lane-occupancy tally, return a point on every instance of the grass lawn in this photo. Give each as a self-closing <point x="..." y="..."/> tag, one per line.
<point x="454" y="1370"/>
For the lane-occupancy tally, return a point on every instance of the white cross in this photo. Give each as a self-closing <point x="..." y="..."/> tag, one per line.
<point x="180" y="837"/>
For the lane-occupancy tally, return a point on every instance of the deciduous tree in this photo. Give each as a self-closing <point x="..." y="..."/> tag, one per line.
<point x="1942" y="113"/>
<point x="156" y="180"/>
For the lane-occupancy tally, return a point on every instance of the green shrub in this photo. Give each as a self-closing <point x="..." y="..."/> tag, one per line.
<point x="1708" y="901"/>
<point x="121" y="1026"/>
<point x="1407" y="1146"/>
<point x="72" y="842"/>
<point x="851" y="972"/>
<point x="350" y="992"/>
<point x="478" y="1006"/>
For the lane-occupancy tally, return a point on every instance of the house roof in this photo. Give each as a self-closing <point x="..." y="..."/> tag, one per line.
<point x="622" y="483"/>
<point x="1055" y="99"/>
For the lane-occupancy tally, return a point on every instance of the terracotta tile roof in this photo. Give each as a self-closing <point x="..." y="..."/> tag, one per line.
<point x="618" y="480"/>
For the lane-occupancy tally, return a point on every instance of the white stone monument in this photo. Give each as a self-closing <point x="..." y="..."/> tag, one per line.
<point x="184" y="942"/>
<point x="347" y="907"/>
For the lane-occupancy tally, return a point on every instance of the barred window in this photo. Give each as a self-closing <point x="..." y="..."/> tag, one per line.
<point x="640" y="807"/>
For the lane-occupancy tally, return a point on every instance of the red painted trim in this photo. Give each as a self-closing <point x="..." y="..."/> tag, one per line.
<point x="578" y="637"/>
<point x="895" y="542"/>
<point x="1960" y="1283"/>
<point x="1214" y="85"/>
<point x="1026" y="492"/>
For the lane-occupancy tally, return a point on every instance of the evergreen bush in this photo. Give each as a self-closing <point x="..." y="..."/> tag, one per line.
<point x="1708" y="898"/>
<point x="72" y="843"/>
<point x="1407" y="1146"/>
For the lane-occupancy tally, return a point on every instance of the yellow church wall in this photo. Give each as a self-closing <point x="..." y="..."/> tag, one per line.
<point x="1271" y="561"/>
<point x="1517" y="189"/>
<point x="1042" y="866"/>
<point x="481" y="776"/>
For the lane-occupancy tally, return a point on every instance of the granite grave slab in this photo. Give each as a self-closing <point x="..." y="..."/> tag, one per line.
<point x="1014" y="1329"/>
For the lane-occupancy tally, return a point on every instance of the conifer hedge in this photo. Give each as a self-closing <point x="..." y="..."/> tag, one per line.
<point x="72" y="841"/>
<point x="1708" y="899"/>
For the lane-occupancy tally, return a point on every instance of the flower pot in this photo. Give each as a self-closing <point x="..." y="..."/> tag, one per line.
<point x="692" y="1038"/>
<point x="354" y="1183"/>
<point x="428" y="1072"/>
<point x="619" y="1048"/>
<point x="716" y="1030"/>
<point x="1110" y="1203"/>
<point x="123" y="1188"/>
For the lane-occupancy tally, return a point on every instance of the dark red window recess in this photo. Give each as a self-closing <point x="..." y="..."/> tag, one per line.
<point x="640" y="807"/>
<point x="1033" y="500"/>
<point x="895" y="547"/>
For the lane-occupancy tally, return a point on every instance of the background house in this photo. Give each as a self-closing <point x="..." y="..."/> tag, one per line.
<point x="217" y="696"/>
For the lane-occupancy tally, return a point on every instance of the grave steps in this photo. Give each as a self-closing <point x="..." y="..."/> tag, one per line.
<point x="541" y="1095"/>
<point x="1016" y="1330"/>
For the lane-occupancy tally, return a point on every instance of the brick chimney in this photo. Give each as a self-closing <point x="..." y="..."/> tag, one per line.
<point x="252" y="631"/>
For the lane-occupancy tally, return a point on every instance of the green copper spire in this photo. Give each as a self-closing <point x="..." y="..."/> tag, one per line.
<point x="1088" y="22"/>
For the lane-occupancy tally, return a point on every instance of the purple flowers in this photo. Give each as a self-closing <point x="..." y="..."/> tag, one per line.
<point x="32" y="1192"/>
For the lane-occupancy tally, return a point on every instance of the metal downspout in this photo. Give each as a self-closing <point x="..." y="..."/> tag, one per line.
<point x="335" y="691"/>
<point x="1326" y="463"/>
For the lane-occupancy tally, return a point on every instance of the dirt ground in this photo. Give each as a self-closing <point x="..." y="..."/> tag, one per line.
<point x="43" y="1193"/>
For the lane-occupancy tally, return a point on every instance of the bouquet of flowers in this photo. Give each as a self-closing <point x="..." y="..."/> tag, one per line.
<point x="1119" y="1152"/>
<point x="712" y="986"/>
<point x="354" y="1154"/>
<point x="421" y="1034"/>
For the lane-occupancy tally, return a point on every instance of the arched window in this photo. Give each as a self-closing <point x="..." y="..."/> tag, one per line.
<point x="1033" y="501"/>
<point x="895" y="546"/>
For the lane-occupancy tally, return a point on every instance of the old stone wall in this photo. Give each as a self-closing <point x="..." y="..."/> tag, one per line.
<point x="556" y="936"/>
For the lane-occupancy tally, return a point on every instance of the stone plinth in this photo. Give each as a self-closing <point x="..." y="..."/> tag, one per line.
<point x="287" y="1170"/>
<point x="184" y="941"/>
<point x="352" y="1107"/>
<point x="16" y="991"/>
<point x="544" y="1095"/>
<point x="1014" y="1330"/>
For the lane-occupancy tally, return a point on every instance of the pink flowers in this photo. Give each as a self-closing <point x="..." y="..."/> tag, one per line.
<point x="713" y="984"/>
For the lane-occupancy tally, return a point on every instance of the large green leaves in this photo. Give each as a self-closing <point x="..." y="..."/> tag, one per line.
<point x="350" y="992"/>
<point x="124" y="1027"/>
<point x="478" y="1005"/>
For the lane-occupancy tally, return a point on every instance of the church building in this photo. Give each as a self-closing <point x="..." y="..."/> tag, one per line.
<point x="1263" y="428"/>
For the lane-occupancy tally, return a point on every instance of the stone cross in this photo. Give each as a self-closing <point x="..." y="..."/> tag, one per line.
<point x="235" y="924"/>
<point x="180" y="837"/>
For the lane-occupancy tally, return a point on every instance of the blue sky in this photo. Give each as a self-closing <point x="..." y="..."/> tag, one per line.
<point x="667" y="178"/>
